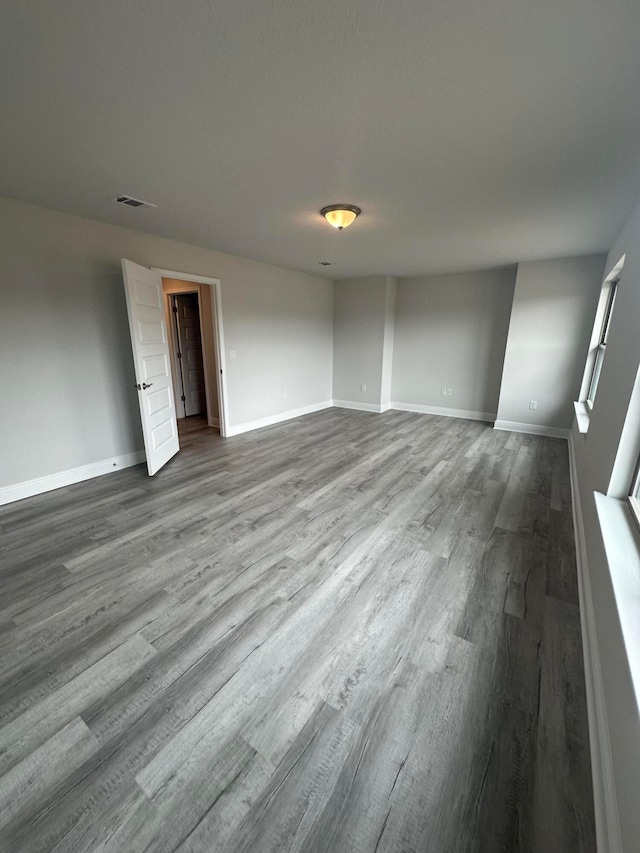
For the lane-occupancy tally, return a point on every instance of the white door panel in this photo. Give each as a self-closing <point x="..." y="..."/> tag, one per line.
<point x="155" y="366"/>
<point x="143" y="290"/>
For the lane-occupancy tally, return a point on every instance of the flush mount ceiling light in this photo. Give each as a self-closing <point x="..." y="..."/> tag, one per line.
<point x="340" y="215"/>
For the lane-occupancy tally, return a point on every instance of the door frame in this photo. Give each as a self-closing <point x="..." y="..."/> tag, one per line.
<point x="218" y="326"/>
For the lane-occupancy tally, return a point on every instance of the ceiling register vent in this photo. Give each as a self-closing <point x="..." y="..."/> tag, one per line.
<point x="130" y="201"/>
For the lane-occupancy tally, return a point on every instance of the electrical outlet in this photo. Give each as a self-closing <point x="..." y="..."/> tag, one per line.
<point x="448" y="392"/>
<point x="533" y="404"/>
<point x="443" y="392"/>
<point x="233" y="353"/>
<point x="363" y="387"/>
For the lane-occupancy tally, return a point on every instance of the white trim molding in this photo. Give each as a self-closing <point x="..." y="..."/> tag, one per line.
<point x="361" y="407"/>
<point x="608" y="838"/>
<point x="533" y="429"/>
<point x="622" y="547"/>
<point x="418" y="408"/>
<point x="236" y="429"/>
<point x="29" y="488"/>
<point x="467" y="414"/>
<point x="218" y="325"/>
<point x="186" y="276"/>
<point x="583" y="416"/>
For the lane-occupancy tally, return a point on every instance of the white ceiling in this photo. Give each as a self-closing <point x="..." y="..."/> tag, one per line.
<point x="471" y="133"/>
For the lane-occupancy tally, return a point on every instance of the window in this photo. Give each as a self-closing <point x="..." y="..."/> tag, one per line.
<point x="598" y="358"/>
<point x="598" y="346"/>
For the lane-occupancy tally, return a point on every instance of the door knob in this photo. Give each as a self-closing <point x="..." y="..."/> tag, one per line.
<point x="144" y="386"/>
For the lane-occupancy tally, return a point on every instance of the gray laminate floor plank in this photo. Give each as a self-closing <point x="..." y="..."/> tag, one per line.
<point x="561" y="732"/>
<point x="134" y="725"/>
<point x="24" y="733"/>
<point x="352" y="632"/>
<point x="42" y="674"/>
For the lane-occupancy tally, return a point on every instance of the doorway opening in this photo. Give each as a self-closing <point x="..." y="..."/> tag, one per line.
<point x="193" y="348"/>
<point x="187" y="339"/>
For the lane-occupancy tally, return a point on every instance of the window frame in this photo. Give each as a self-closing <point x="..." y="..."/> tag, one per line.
<point x="598" y="353"/>
<point x="597" y="346"/>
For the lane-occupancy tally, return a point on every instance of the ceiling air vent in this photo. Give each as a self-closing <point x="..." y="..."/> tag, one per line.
<point x="133" y="202"/>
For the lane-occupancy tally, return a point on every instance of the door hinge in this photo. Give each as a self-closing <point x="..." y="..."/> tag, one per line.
<point x="174" y="308"/>
<point x="179" y="354"/>
<point x="183" y="398"/>
<point x="221" y="373"/>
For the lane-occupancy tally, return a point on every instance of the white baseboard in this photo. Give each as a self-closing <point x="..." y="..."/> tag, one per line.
<point x="467" y="414"/>
<point x="608" y="838"/>
<point x="533" y="429"/>
<point x="236" y="429"/>
<point x="29" y="488"/>
<point x="361" y="407"/>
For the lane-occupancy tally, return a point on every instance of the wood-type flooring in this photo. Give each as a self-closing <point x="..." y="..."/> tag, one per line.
<point x="344" y="634"/>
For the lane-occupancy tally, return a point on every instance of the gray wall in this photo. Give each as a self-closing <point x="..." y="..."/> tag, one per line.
<point x="65" y="368"/>
<point x="359" y="334"/>
<point x="451" y="331"/>
<point x="280" y="323"/>
<point x="596" y="454"/>
<point x="388" y="343"/>
<point x="551" y="322"/>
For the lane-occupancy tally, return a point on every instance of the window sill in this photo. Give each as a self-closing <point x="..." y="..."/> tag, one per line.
<point x="622" y="545"/>
<point x="583" y="416"/>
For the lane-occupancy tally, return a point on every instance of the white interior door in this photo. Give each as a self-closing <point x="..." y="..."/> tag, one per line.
<point x="145" y="305"/>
